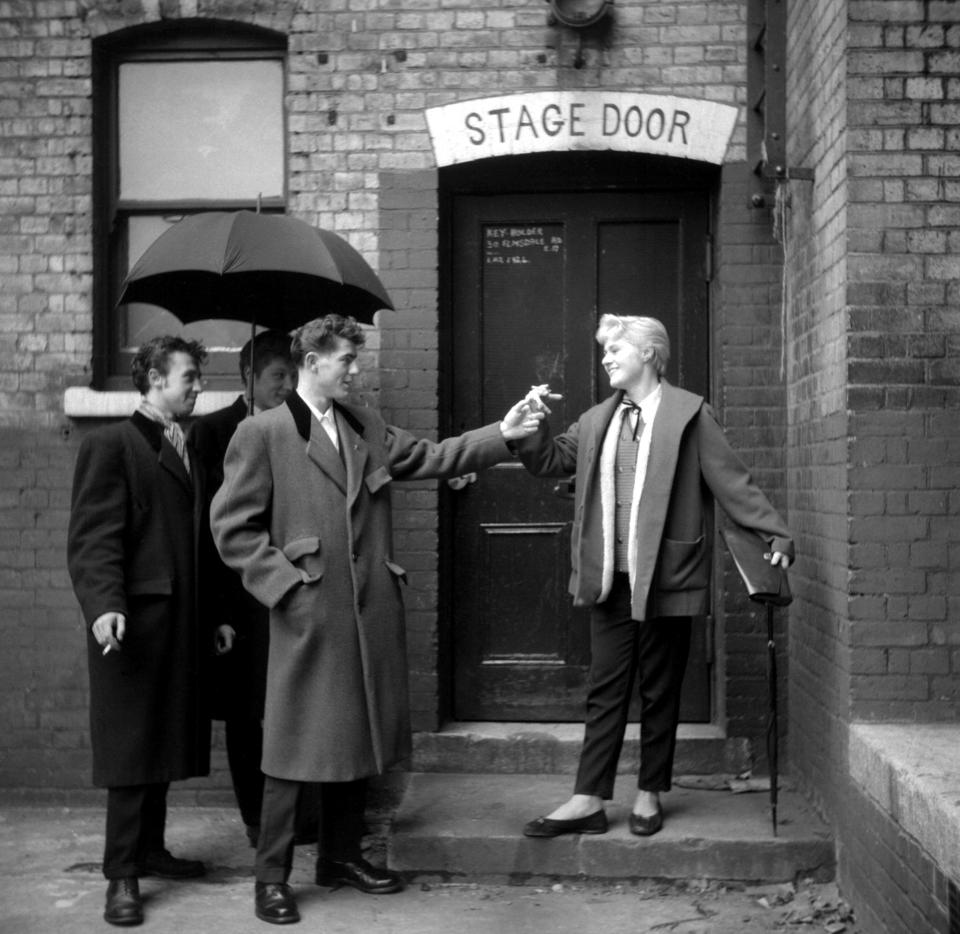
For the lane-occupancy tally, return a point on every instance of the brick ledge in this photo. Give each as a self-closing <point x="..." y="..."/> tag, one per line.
<point x="912" y="771"/>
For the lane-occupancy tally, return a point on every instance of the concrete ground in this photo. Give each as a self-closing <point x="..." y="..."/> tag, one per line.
<point x="50" y="883"/>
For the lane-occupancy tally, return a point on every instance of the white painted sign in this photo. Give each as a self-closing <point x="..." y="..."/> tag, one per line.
<point x="552" y="121"/>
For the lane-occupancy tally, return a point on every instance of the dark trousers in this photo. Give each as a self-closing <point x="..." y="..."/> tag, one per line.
<point x="244" y="736"/>
<point x="341" y="823"/>
<point x="654" y="653"/>
<point x="136" y="822"/>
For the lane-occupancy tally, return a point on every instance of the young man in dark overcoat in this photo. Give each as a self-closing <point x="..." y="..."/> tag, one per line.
<point x="239" y="670"/>
<point x="137" y="523"/>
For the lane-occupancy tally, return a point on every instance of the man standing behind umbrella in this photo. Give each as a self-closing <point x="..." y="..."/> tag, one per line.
<point x="239" y="672"/>
<point x="136" y="524"/>
<point x="304" y="515"/>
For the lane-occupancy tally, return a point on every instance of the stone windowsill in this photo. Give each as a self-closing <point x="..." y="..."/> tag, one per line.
<point x="912" y="771"/>
<point x="81" y="402"/>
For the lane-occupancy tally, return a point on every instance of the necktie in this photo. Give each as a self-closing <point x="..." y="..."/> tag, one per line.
<point x="174" y="434"/>
<point x="632" y="416"/>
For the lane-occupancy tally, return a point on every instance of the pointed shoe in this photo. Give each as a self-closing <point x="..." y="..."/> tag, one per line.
<point x="548" y="827"/>
<point x="646" y="826"/>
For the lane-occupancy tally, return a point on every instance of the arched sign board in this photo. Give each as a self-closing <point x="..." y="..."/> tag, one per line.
<point x="553" y="121"/>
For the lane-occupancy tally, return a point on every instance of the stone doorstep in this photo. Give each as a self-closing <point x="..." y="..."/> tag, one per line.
<point x="554" y="749"/>
<point x="469" y="828"/>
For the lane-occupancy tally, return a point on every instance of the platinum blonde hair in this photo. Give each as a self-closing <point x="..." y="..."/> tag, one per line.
<point x="642" y="333"/>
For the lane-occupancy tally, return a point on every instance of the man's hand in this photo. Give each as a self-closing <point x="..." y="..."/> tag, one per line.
<point x="224" y="638"/>
<point x="778" y="557"/>
<point x="520" y="421"/>
<point x="108" y="629"/>
<point x="537" y="397"/>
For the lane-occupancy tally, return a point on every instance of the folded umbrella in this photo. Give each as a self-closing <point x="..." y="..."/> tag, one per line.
<point x="768" y="585"/>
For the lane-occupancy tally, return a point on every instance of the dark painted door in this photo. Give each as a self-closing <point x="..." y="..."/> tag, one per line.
<point x="531" y="274"/>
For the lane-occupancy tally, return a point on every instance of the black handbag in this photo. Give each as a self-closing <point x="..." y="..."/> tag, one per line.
<point x="765" y="582"/>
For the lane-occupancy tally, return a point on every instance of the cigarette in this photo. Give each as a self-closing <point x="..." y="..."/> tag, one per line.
<point x="106" y="648"/>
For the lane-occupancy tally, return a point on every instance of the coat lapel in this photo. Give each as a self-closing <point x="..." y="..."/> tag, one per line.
<point x="355" y="451"/>
<point x="320" y="449"/>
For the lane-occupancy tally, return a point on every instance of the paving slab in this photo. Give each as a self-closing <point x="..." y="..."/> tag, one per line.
<point x="50" y="883"/>
<point x="469" y="827"/>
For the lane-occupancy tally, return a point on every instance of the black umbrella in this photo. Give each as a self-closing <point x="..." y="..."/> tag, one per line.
<point x="768" y="585"/>
<point x="269" y="269"/>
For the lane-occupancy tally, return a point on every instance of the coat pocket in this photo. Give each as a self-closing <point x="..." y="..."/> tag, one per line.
<point x="683" y="565"/>
<point x="306" y="556"/>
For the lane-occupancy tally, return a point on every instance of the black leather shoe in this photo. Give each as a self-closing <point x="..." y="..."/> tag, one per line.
<point x="360" y="874"/>
<point x="164" y="864"/>
<point x="124" y="907"/>
<point x="646" y="826"/>
<point x="548" y="827"/>
<point x="274" y="903"/>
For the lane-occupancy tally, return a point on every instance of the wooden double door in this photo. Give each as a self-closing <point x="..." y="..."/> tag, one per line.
<point x="530" y="276"/>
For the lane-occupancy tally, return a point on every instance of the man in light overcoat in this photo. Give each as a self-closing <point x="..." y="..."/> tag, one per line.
<point x="304" y="516"/>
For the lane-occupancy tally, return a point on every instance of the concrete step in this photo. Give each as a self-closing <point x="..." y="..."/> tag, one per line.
<point x="554" y="749"/>
<point x="459" y="827"/>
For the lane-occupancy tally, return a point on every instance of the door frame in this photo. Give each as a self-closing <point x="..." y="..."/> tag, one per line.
<point x="575" y="171"/>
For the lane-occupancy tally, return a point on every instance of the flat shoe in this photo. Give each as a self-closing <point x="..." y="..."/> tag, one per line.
<point x="548" y="827"/>
<point x="646" y="826"/>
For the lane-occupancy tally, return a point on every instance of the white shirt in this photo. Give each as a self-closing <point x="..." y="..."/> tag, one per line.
<point x="608" y="456"/>
<point x="328" y="420"/>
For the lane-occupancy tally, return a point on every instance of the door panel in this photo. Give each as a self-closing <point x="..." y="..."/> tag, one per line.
<point x="531" y="274"/>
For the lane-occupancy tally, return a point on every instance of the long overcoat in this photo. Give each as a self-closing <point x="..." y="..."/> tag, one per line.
<point x="238" y="679"/>
<point x="136" y="527"/>
<point x="311" y="535"/>
<point x="691" y="466"/>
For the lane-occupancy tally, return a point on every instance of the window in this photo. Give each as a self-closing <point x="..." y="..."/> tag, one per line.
<point x="188" y="117"/>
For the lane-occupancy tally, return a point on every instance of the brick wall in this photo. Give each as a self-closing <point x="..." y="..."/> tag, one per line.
<point x="896" y="885"/>
<point x="815" y="260"/>
<point x="904" y="361"/>
<point x="749" y="397"/>
<point x="360" y="162"/>
<point x="873" y="410"/>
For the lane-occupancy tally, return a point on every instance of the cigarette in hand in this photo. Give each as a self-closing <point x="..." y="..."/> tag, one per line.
<point x="106" y="649"/>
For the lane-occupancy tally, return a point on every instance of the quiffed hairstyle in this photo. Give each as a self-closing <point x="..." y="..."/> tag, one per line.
<point x="321" y="335"/>
<point x="267" y="346"/>
<point x="155" y="355"/>
<point x="642" y="333"/>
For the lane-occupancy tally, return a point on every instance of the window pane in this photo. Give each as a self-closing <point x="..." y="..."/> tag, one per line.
<point x="201" y="130"/>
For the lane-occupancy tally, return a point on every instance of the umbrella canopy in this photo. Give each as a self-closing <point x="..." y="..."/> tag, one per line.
<point x="268" y="269"/>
